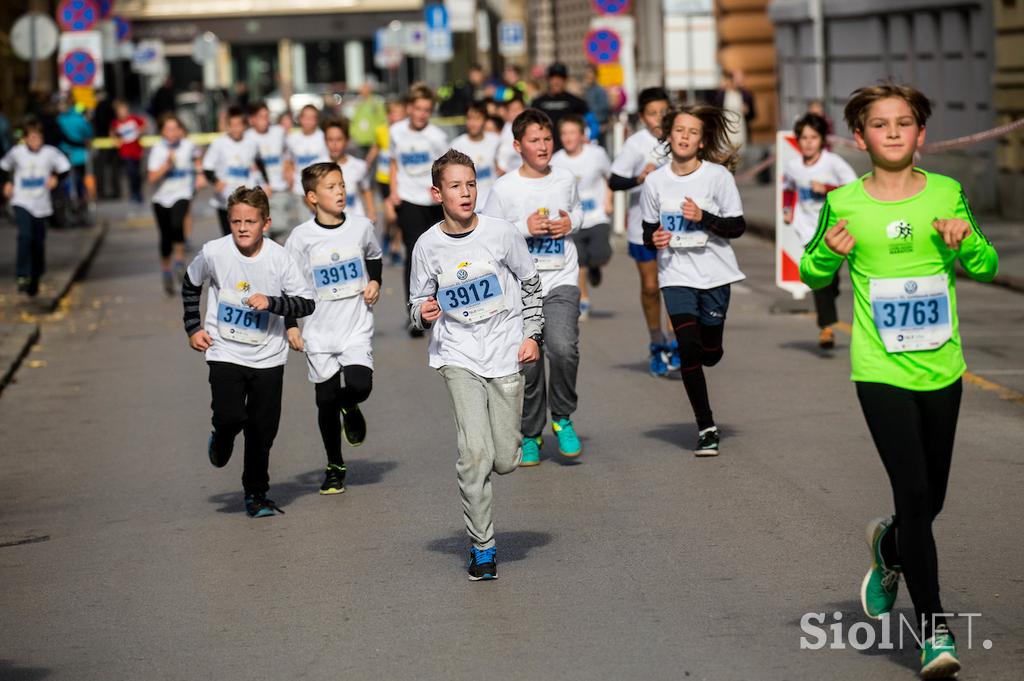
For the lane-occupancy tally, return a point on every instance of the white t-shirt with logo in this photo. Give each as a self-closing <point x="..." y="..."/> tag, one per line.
<point x="305" y="150"/>
<point x="333" y="264"/>
<point x="484" y="153"/>
<point x="508" y="158"/>
<point x="179" y="183"/>
<point x="441" y="263"/>
<point x="29" y="172"/>
<point x="797" y="176"/>
<point x="232" y="277"/>
<point x="233" y="162"/>
<point x="514" y="198"/>
<point x="638" y="150"/>
<point x="272" y="153"/>
<point x="357" y="180"/>
<point x="415" y="152"/>
<point x="591" y="167"/>
<point x="713" y="188"/>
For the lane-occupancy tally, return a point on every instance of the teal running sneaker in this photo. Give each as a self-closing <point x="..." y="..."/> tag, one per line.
<point x="483" y="564"/>
<point x="568" y="441"/>
<point x="882" y="582"/>
<point x="531" y="451"/>
<point x="658" y="366"/>
<point x="939" y="659"/>
<point x="257" y="505"/>
<point x="674" y="361"/>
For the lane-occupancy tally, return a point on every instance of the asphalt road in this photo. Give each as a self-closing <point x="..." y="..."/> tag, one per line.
<point x="125" y="555"/>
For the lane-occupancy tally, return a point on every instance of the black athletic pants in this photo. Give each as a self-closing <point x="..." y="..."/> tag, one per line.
<point x="825" y="303"/>
<point x="247" y="400"/>
<point x="914" y="432"/>
<point x="171" y="223"/>
<point x="331" y="397"/>
<point x="413" y="221"/>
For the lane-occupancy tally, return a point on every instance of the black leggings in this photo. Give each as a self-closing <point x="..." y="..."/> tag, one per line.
<point x="700" y="345"/>
<point x="914" y="432"/>
<point x="413" y="221"/>
<point x="331" y="397"/>
<point x="171" y="223"/>
<point x="825" y="303"/>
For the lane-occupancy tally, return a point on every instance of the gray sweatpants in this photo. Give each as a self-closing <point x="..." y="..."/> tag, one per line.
<point x="562" y="349"/>
<point x="487" y="414"/>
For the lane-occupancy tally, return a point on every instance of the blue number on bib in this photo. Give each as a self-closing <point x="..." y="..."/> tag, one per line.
<point x="916" y="313"/>
<point x="676" y="223"/>
<point x="238" y="172"/>
<point x="470" y="293"/>
<point x="32" y="182"/>
<point x="588" y="205"/>
<point x="483" y="174"/>
<point x="243" y="318"/>
<point x="545" y="245"/>
<point x="350" y="199"/>
<point x="338" y="273"/>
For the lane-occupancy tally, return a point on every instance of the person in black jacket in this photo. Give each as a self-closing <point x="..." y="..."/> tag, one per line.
<point x="557" y="102"/>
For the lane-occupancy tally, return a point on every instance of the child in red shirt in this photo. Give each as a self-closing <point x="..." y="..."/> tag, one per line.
<point x="127" y="130"/>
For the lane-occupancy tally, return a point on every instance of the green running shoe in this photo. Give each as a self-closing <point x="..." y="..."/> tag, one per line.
<point x="334" y="479"/>
<point x="568" y="442"/>
<point x="882" y="582"/>
<point x="938" y="655"/>
<point x="531" y="451"/>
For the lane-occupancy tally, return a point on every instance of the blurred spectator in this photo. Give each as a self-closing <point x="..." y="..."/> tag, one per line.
<point x="6" y="134"/>
<point x="163" y="99"/>
<point x="76" y="132"/>
<point x="369" y="114"/>
<point x="240" y="97"/>
<point x="732" y="96"/>
<point x="106" y="165"/>
<point x="511" y="82"/>
<point x="557" y="101"/>
<point x="597" y="101"/>
<point x="127" y="131"/>
<point x="817" y="107"/>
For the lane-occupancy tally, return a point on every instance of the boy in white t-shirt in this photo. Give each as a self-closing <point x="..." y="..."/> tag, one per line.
<point x="254" y="283"/>
<point x="641" y="154"/>
<point x="29" y="172"/>
<point x="542" y="202"/>
<point x="475" y="286"/>
<point x="341" y="261"/>
<point x="590" y="164"/>
<point x="691" y="210"/>
<point x="230" y="162"/>
<point x="269" y="140"/>
<point x="482" y="147"/>
<point x="304" y="147"/>
<point x="805" y="182"/>
<point x="508" y="158"/>
<point x="359" y="197"/>
<point x="414" y="144"/>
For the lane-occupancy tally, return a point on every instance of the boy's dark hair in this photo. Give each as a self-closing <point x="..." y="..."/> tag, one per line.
<point x="420" y="91"/>
<point x="339" y="123"/>
<point x="311" y="175"/>
<point x="856" y="111"/>
<point x="498" y="121"/>
<point x="169" y="116"/>
<point x="31" y="124"/>
<point x="652" y="94"/>
<point x="716" y="124"/>
<point x="251" y="196"/>
<point x="573" y="118"/>
<point x="308" y="107"/>
<point x="526" y="119"/>
<point x="819" y="125"/>
<point x="235" y="112"/>
<point x="479" y="106"/>
<point x="257" y="106"/>
<point x="449" y="158"/>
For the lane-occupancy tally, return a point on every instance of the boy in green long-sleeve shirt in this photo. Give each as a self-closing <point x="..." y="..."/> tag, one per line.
<point x="902" y="230"/>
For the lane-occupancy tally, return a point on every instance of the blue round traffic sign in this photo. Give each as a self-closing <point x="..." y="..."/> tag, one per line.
<point x="602" y="46"/>
<point x="79" y="68"/>
<point x="612" y="6"/>
<point x="106" y="6"/>
<point x="124" y="29"/>
<point x="78" y="15"/>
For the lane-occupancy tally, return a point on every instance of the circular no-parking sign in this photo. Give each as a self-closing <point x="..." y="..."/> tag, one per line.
<point x="124" y="29"/>
<point x="602" y="46"/>
<point x="79" y="68"/>
<point x="612" y="6"/>
<point x="78" y="15"/>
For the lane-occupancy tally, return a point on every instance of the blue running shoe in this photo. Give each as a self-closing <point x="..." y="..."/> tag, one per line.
<point x="531" y="451"/>
<point x="257" y="505"/>
<point x="568" y="441"/>
<point x="658" y="366"/>
<point x="483" y="564"/>
<point x="672" y="350"/>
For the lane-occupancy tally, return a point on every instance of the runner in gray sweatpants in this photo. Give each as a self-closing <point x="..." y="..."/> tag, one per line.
<point x="562" y="349"/>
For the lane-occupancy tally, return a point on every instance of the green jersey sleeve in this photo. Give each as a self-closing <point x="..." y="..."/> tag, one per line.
<point x="819" y="263"/>
<point x="977" y="254"/>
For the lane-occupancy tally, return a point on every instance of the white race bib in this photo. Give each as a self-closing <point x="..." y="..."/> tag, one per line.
<point x="239" y="322"/>
<point x="337" y="272"/>
<point x="470" y="293"/>
<point x="912" y="313"/>
<point x="685" y="234"/>
<point x="417" y="160"/>
<point x="548" y="253"/>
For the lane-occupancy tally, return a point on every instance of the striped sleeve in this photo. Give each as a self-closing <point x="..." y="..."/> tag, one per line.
<point x="533" y="306"/>
<point x="190" y="295"/>
<point x="977" y="254"/>
<point x="291" y="306"/>
<point x="819" y="262"/>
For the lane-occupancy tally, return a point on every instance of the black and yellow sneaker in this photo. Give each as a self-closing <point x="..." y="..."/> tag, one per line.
<point x="334" y="479"/>
<point x="354" y="425"/>
<point x="707" y="442"/>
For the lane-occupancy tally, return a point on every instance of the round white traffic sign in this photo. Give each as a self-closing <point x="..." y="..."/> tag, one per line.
<point x="34" y="36"/>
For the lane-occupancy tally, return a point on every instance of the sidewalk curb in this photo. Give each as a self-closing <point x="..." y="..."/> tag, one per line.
<point x="1008" y="281"/>
<point x="14" y="351"/>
